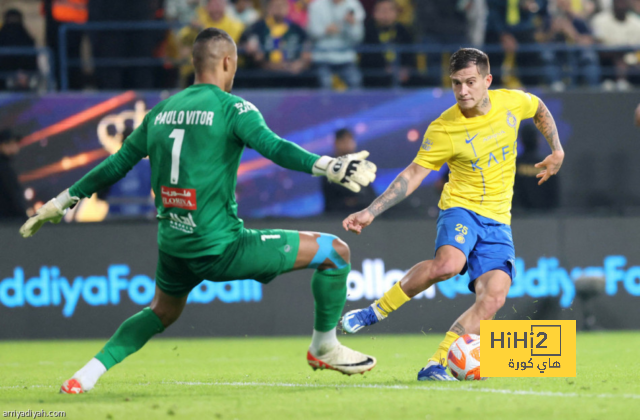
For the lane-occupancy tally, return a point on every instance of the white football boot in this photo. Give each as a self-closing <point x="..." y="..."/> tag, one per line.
<point x="342" y="359"/>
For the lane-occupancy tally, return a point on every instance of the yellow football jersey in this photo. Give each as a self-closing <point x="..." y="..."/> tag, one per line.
<point x="481" y="153"/>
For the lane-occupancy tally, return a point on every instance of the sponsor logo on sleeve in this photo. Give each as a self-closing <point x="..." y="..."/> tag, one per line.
<point x="245" y="106"/>
<point x="427" y="144"/>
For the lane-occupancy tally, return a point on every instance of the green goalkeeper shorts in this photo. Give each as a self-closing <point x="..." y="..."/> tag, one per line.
<point x="259" y="255"/>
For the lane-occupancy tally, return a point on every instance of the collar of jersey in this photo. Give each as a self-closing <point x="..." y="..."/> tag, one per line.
<point x="204" y="84"/>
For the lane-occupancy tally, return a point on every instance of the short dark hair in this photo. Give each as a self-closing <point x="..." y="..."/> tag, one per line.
<point x="343" y="132"/>
<point x="200" y="52"/>
<point x="466" y="57"/>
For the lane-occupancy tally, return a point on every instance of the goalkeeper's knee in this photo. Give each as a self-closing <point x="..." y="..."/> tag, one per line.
<point x="333" y="249"/>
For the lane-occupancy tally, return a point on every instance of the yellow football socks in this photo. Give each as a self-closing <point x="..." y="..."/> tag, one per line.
<point x="392" y="300"/>
<point x="440" y="356"/>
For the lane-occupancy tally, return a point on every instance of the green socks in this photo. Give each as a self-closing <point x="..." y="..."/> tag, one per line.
<point x="130" y="337"/>
<point x="330" y="293"/>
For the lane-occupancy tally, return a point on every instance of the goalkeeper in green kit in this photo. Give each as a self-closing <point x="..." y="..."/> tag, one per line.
<point x="194" y="141"/>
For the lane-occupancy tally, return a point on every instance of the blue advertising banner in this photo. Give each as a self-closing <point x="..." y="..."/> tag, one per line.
<point x="97" y="275"/>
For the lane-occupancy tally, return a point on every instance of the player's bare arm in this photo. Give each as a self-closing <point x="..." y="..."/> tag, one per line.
<point x="401" y="187"/>
<point x="638" y="116"/>
<point x="395" y="193"/>
<point x="547" y="126"/>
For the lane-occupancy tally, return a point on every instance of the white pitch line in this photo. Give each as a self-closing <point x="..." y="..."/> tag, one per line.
<point x="374" y="386"/>
<point x="406" y="387"/>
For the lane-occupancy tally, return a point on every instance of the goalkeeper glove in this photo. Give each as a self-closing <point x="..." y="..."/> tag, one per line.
<point x="351" y="171"/>
<point x="52" y="211"/>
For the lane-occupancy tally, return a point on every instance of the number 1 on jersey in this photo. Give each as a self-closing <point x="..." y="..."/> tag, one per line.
<point x="178" y="136"/>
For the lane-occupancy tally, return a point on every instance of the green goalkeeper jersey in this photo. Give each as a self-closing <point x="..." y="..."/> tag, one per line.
<point x="194" y="141"/>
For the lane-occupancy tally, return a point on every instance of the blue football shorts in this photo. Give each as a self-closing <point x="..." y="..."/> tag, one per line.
<point x="487" y="244"/>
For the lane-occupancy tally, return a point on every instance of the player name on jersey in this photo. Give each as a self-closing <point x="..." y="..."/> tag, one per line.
<point x="184" y="117"/>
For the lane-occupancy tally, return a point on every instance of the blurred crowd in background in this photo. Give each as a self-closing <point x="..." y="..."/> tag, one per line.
<point x="316" y="44"/>
<point x="329" y="44"/>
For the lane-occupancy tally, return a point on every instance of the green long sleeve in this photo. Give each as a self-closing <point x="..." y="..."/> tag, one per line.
<point x="282" y="152"/>
<point x="115" y="167"/>
<point x="251" y="129"/>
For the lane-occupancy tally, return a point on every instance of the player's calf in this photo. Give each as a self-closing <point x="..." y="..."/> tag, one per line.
<point x="488" y="306"/>
<point x="419" y="278"/>
<point x="427" y="273"/>
<point x="166" y="307"/>
<point x="167" y="315"/>
<point x="491" y="293"/>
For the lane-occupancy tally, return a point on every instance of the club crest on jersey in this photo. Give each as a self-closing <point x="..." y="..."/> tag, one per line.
<point x="460" y="239"/>
<point x="511" y="119"/>
<point x="183" y="198"/>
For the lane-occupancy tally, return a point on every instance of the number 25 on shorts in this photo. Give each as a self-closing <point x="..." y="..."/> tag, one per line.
<point x="462" y="229"/>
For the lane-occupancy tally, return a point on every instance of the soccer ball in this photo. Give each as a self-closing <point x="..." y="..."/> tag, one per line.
<point x="464" y="358"/>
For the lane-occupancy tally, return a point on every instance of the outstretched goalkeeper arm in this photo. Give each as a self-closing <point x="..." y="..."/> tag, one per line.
<point x="351" y="171"/>
<point x="107" y="173"/>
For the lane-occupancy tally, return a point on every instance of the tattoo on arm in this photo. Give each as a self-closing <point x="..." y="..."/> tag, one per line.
<point x="396" y="192"/>
<point x="457" y="328"/>
<point x="547" y="126"/>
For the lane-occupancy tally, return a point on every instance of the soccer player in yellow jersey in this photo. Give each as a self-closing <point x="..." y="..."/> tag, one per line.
<point x="477" y="138"/>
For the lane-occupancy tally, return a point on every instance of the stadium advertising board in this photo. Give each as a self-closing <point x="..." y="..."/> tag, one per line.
<point x="83" y="280"/>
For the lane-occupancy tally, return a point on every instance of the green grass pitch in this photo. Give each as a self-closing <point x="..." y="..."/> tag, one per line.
<point x="268" y="378"/>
